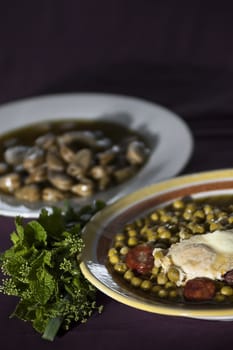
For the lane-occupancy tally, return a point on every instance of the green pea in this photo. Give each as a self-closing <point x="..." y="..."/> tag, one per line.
<point x="155" y="289"/>
<point x="161" y="229"/>
<point x="132" y="233"/>
<point x="191" y="207"/>
<point x="222" y="215"/>
<point x="198" y="229"/>
<point x="210" y="217"/>
<point x="227" y="290"/>
<point x="146" y="285"/>
<point x="165" y="234"/>
<point x="174" y="239"/>
<point x="114" y="259"/>
<point x="161" y="211"/>
<point x="170" y="285"/>
<point x="124" y="250"/>
<point x="128" y="275"/>
<point x="112" y="251"/>
<point x="139" y="223"/>
<point x="165" y="218"/>
<point x="162" y="293"/>
<point x="119" y="237"/>
<point x="155" y="270"/>
<point x="154" y="216"/>
<point x="132" y="241"/>
<point x="120" y="267"/>
<point x="199" y="214"/>
<point x="187" y="215"/>
<point x="178" y="204"/>
<point x="136" y="281"/>
<point x="173" y="274"/>
<point x="119" y="244"/>
<point x="173" y="294"/>
<point x="161" y="278"/>
<point x="215" y="226"/>
<point x="185" y="233"/>
<point x="219" y="297"/>
<point x="207" y="209"/>
<point x="151" y="236"/>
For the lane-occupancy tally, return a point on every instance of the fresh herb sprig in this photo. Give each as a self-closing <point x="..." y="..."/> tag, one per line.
<point x="42" y="269"/>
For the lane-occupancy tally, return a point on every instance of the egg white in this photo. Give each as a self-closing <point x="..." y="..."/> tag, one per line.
<point x="208" y="255"/>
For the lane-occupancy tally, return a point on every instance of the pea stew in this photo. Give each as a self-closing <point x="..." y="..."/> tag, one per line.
<point x="133" y="251"/>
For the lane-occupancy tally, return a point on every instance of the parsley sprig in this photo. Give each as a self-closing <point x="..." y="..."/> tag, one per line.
<point x="42" y="269"/>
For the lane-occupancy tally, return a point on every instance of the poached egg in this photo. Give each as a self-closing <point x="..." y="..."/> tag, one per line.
<point x="209" y="255"/>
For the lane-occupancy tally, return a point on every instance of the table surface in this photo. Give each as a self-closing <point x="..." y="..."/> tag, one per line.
<point x="186" y="69"/>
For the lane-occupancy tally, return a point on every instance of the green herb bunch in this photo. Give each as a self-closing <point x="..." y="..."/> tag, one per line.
<point x="42" y="269"/>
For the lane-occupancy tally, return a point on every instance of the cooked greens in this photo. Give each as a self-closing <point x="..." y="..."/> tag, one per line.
<point x="42" y="269"/>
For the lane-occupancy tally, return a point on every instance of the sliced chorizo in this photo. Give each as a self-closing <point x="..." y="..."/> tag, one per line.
<point x="228" y="277"/>
<point x="199" y="289"/>
<point x="140" y="259"/>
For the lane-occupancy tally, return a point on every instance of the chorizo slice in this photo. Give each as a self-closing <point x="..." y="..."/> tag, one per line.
<point x="199" y="289"/>
<point x="140" y="259"/>
<point x="228" y="277"/>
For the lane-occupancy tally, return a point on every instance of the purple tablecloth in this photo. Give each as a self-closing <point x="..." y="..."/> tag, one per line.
<point x="178" y="54"/>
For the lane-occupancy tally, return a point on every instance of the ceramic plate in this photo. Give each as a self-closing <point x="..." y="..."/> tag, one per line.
<point x="99" y="233"/>
<point x="169" y="137"/>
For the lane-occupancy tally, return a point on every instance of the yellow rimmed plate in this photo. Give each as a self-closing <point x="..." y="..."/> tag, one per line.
<point x="99" y="232"/>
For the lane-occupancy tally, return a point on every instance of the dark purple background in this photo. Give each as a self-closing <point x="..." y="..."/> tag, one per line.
<point x="176" y="53"/>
